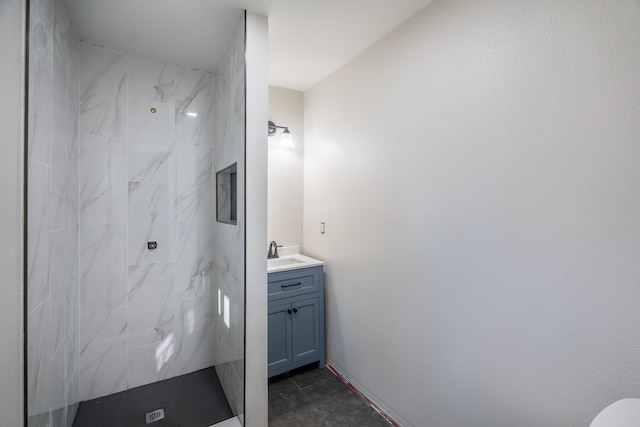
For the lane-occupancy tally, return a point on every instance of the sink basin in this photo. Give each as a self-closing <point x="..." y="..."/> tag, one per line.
<point x="277" y="262"/>
<point x="291" y="262"/>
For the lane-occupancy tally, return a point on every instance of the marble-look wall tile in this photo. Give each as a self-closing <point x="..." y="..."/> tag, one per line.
<point x="228" y="322"/>
<point x="151" y="125"/>
<point x="140" y="234"/>
<point x="238" y="369"/>
<point x="72" y="335"/>
<point x="194" y="105"/>
<point x="39" y="351"/>
<point x="52" y="225"/>
<point x="229" y="108"/>
<point x="72" y="395"/>
<point x="228" y="289"/>
<point x="151" y="80"/>
<point x="103" y="91"/>
<point x="149" y="165"/>
<point x="58" y="384"/>
<point x="73" y="217"/>
<point x="223" y="153"/>
<point x="63" y="261"/>
<point x="38" y="236"/>
<point x="163" y="194"/>
<point x="63" y="190"/>
<point x="234" y="386"/>
<point x="40" y="90"/>
<point x="151" y="363"/>
<point x="103" y="353"/>
<point x="194" y="184"/>
<point x="149" y="214"/>
<point x="194" y="334"/>
<point x="148" y="202"/>
<point x="103" y="180"/>
<point x="60" y="265"/>
<point x="42" y="11"/>
<point x="64" y="140"/>
<point x="229" y="250"/>
<point x="73" y="134"/>
<point x="151" y="306"/>
<point x="229" y="253"/>
<point x="193" y="259"/>
<point x="65" y="67"/>
<point x="40" y="420"/>
<point x="103" y="267"/>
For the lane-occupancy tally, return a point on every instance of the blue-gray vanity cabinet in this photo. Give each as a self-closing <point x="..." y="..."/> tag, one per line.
<point x="295" y="319"/>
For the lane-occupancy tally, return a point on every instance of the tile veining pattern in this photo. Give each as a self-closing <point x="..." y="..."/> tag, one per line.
<point x="52" y="218"/>
<point x="229" y="137"/>
<point x="145" y="175"/>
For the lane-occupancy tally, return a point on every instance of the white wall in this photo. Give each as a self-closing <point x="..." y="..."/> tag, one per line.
<point x="478" y="170"/>
<point x="12" y="52"/>
<point x="257" y="100"/>
<point x="285" y="180"/>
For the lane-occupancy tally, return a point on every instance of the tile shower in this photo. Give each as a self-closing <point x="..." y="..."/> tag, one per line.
<point x="122" y="153"/>
<point x="147" y="313"/>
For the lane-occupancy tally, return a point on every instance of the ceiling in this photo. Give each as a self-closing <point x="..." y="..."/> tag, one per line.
<point x="308" y="39"/>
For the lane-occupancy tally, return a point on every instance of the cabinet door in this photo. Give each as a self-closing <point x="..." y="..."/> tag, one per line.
<point x="280" y="347"/>
<point x="306" y="329"/>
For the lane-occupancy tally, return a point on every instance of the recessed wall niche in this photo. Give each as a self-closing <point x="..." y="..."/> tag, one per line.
<point x="227" y="195"/>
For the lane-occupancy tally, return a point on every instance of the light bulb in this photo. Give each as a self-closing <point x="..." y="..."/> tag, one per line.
<point x="286" y="139"/>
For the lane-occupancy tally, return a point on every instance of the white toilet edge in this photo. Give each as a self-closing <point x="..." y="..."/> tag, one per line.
<point x="622" y="413"/>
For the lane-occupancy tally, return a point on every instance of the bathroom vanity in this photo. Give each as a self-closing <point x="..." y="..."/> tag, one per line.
<point x="296" y="313"/>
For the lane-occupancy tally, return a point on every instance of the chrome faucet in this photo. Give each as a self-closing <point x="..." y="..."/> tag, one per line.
<point x="273" y="250"/>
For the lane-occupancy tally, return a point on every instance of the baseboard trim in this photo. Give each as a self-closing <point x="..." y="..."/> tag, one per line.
<point x="364" y="396"/>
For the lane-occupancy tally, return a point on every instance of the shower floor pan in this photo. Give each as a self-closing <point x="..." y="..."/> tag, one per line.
<point x="192" y="400"/>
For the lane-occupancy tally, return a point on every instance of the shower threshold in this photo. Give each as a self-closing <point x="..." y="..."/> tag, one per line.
<point x="231" y="422"/>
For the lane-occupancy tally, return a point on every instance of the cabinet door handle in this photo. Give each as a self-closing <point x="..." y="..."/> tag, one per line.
<point x="289" y="311"/>
<point x="291" y="285"/>
<point x="295" y="310"/>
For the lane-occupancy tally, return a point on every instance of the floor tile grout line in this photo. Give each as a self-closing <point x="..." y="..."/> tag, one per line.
<point x="322" y="406"/>
<point x="316" y="383"/>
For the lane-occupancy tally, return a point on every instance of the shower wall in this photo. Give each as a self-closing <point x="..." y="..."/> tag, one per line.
<point x="145" y="176"/>
<point x="120" y="155"/>
<point x="52" y="218"/>
<point x="229" y="251"/>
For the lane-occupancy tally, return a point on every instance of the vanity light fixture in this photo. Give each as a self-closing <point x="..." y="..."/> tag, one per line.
<point x="286" y="139"/>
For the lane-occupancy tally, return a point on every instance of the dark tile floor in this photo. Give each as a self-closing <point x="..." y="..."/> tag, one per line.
<point x="309" y="397"/>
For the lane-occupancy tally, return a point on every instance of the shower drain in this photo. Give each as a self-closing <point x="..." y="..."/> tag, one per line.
<point x="153" y="416"/>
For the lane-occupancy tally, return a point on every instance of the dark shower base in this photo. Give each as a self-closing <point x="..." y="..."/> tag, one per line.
<point x="192" y="400"/>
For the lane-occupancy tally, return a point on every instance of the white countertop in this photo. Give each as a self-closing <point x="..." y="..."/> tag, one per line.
<point x="291" y="261"/>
